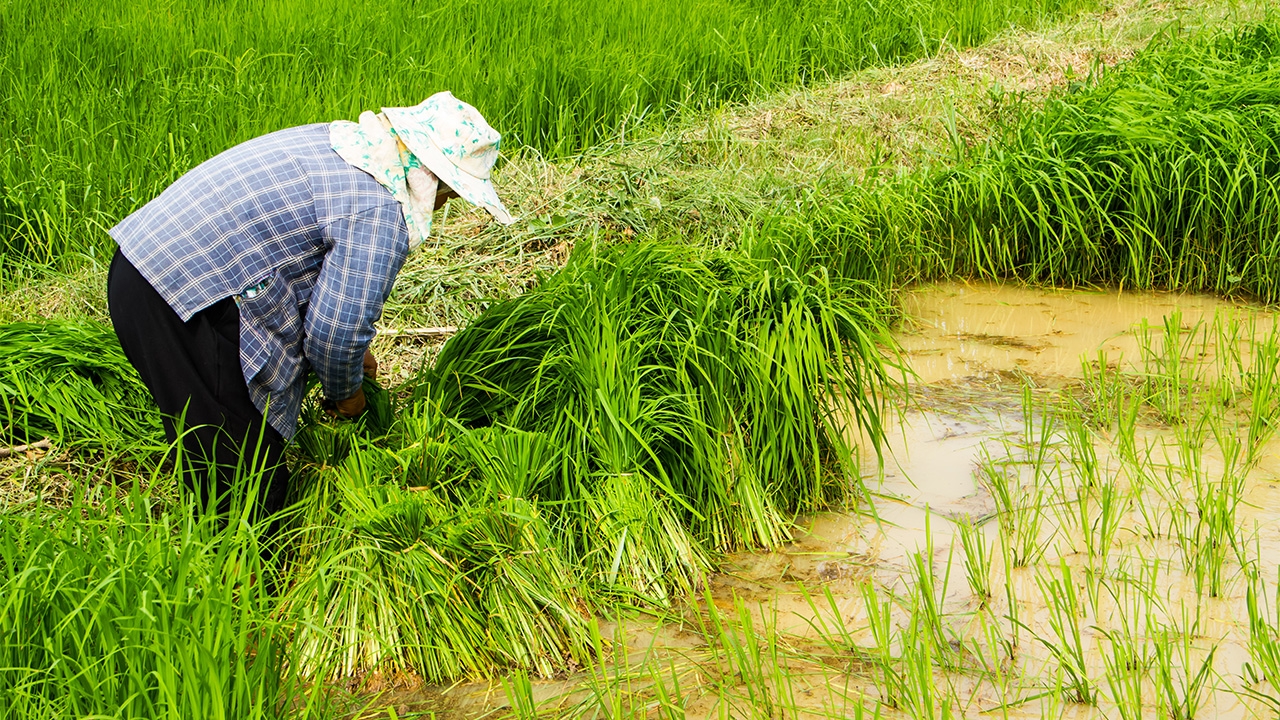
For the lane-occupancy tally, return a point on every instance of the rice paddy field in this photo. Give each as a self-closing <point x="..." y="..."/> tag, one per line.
<point x="848" y="360"/>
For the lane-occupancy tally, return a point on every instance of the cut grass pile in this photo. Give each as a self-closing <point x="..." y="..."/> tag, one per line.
<point x="1161" y="173"/>
<point x="102" y="105"/>
<point x="598" y="439"/>
<point x="70" y="382"/>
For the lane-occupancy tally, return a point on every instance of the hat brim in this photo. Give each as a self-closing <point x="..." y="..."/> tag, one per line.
<point x="477" y="191"/>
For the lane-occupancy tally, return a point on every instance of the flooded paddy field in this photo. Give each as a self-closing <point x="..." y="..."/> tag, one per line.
<point x="1076" y="515"/>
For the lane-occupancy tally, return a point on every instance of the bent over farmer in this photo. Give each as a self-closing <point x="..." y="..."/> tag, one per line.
<point x="273" y="259"/>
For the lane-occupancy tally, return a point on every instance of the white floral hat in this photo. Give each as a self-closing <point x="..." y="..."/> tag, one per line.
<point x="452" y="140"/>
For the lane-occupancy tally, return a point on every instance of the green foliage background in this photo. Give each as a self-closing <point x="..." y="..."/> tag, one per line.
<point x="104" y="104"/>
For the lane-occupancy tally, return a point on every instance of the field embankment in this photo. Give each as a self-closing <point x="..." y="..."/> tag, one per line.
<point x="1163" y="172"/>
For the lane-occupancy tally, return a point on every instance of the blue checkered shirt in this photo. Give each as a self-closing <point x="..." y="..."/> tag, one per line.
<point x="308" y="245"/>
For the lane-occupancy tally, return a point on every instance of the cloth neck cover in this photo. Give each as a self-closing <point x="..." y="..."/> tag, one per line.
<point x="371" y="145"/>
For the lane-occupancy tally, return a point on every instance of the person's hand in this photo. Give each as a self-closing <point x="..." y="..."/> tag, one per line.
<point x="370" y="365"/>
<point x="352" y="406"/>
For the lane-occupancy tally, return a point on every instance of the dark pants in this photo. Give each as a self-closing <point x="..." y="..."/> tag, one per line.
<point x="193" y="371"/>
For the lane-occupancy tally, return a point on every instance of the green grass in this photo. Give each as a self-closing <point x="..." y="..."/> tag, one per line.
<point x="1159" y="173"/>
<point x="603" y="438"/>
<point x="125" y="609"/>
<point x="105" y="104"/>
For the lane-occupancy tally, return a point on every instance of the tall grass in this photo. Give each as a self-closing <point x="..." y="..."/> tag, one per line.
<point x="104" y="104"/>
<point x="1160" y="173"/>
<point x="125" y="610"/>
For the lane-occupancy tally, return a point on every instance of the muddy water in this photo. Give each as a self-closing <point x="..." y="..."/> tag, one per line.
<point x="972" y="348"/>
<point x="956" y="331"/>
<point x="964" y="342"/>
<point x="969" y="346"/>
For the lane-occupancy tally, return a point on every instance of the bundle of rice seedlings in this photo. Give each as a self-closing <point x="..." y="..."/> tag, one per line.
<point x="508" y="463"/>
<point x="603" y="435"/>
<point x="414" y="579"/>
<point x="70" y="381"/>
<point x="638" y="539"/>
<point x="327" y="440"/>
<point x="725" y="386"/>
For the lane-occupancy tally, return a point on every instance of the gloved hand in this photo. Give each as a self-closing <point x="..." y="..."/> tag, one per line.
<point x="370" y="365"/>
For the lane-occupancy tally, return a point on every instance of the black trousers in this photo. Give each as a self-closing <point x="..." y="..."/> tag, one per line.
<point x="193" y="371"/>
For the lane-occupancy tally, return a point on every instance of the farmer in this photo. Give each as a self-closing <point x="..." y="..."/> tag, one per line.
<point x="274" y="258"/>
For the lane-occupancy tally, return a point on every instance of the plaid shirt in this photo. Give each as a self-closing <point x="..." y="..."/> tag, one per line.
<point x="307" y="244"/>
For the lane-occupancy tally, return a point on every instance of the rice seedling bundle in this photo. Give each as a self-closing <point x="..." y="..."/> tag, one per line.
<point x="70" y="381"/>
<point x="406" y="579"/>
<point x="600" y="437"/>
<point x="725" y="384"/>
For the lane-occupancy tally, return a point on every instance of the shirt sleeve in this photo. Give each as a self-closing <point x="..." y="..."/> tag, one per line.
<point x="366" y="252"/>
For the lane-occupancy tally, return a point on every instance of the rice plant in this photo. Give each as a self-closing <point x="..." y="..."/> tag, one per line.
<point x="143" y="96"/>
<point x="1088" y="498"/>
<point x="1106" y="391"/>
<point x="1168" y="372"/>
<point x="1263" y="669"/>
<point x="905" y="680"/>
<point x="400" y="579"/>
<point x="1207" y="531"/>
<point x="1184" y="131"/>
<point x="1129" y="654"/>
<point x="1066" y="644"/>
<point x="994" y="652"/>
<point x="929" y="593"/>
<point x="1019" y="508"/>
<point x="1126" y="661"/>
<point x="520" y="695"/>
<point x="1081" y="454"/>
<point x="890" y="681"/>
<point x="977" y="559"/>
<point x="1183" y="675"/>
<point x="1262" y="386"/>
<point x="753" y="656"/>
